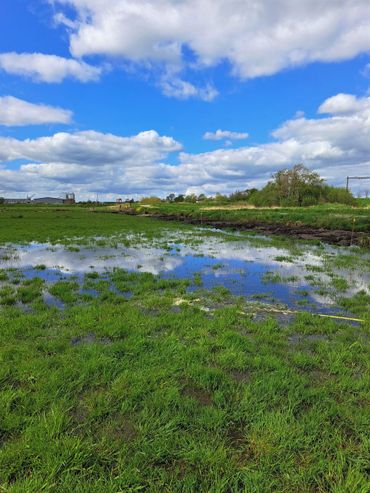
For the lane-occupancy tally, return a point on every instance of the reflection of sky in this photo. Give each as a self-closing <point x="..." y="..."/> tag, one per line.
<point x="236" y="265"/>
<point x="98" y="259"/>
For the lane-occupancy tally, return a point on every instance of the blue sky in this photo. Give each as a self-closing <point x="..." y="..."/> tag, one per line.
<point x="116" y="96"/>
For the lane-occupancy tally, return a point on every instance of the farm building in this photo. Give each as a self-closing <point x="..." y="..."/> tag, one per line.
<point x="48" y="200"/>
<point x="69" y="198"/>
<point x="16" y="201"/>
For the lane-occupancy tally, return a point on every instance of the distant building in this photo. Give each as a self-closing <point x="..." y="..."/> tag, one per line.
<point x="17" y="201"/>
<point x="127" y="201"/>
<point x="69" y="198"/>
<point x="48" y="200"/>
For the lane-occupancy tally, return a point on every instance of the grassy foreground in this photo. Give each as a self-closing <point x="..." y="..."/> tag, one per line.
<point x="167" y="391"/>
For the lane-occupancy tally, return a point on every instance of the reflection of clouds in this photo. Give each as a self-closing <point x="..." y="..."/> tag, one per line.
<point x="358" y="280"/>
<point x="247" y="253"/>
<point x="300" y="267"/>
<point x="322" y="299"/>
<point x="150" y="260"/>
<point x="223" y="271"/>
<point x="233" y="250"/>
<point x="148" y="256"/>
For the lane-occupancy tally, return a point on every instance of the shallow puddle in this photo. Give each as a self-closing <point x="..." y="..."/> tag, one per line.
<point x="297" y="275"/>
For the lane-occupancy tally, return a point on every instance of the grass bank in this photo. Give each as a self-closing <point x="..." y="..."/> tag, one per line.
<point x="333" y="223"/>
<point x="325" y="216"/>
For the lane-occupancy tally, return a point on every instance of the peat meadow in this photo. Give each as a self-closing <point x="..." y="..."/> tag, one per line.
<point x="140" y="354"/>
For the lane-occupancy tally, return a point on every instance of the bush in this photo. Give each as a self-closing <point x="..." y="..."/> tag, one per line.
<point x="299" y="187"/>
<point x="150" y="200"/>
<point x="339" y="195"/>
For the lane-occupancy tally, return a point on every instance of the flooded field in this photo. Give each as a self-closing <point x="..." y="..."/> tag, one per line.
<point x="296" y="275"/>
<point x="137" y="353"/>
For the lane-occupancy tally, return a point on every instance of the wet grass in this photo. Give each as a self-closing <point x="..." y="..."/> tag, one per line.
<point x="330" y="216"/>
<point x="131" y="394"/>
<point x="63" y="225"/>
<point x="135" y="384"/>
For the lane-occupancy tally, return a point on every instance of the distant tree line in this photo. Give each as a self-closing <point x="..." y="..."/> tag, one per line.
<point x="291" y="187"/>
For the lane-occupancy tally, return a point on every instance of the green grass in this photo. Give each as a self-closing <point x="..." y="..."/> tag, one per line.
<point x="363" y="202"/>
<point x="131" y="395"/>
<point x="323" y="216"/>
<point x="66" y="291"/>
<point x="61" y="225"/>
<point x="167" y="391"/>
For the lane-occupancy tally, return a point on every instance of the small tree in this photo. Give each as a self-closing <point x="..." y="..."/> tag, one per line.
<point x="241" y="195"/>
<point x="297" y="186"/>
<point x="170" y="197"/>
<point x="191" y="198"/>
<point x="179" y="198"/>
<point x="220" y="198"/>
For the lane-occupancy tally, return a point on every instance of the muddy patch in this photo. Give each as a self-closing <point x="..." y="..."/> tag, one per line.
<point x="335" y="236"/>
<point x="236" y="436"/>
<point x="295" y="339"/>
<point x="203" y="397"/>
<point x="241" y="376"/>
<point x="121" y="428"/>
<point x="90" y="338"/>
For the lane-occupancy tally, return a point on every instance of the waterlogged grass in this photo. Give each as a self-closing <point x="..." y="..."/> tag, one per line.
<point x="136" y="384"/>
<point x="30" y="223"/>
<point x="23" y="292"/>
<point x="167" y="391"/>
<point x="66" y="291"/>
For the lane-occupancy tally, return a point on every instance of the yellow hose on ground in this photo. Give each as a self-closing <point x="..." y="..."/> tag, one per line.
<point x="276" y="310"/>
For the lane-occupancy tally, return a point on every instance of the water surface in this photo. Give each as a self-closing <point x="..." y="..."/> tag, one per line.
<point x="295" y="274"/>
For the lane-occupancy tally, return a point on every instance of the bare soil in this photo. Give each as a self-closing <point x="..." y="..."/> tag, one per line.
<point x="333" y="236"/>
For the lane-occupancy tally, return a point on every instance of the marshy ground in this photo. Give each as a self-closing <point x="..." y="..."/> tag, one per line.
<point x="138" y="355"/>
<point x="331" y="223"/>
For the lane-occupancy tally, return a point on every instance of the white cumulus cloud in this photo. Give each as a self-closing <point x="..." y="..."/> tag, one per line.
<point x="342" y="104"/>
<point x="90" y="148"/>
<point x="47" y="68"/>
<point x="256" y="38"/>
<point x="225" y="134"/>
<point x="17" y="112"/>
<point x="180" y="89"/>
<point x="336" y="144"/>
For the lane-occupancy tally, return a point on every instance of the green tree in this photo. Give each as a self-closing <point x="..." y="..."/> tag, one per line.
<point x="179" y="198"/>
<point x="191" y="198"/>
<point x="241" y="195"/>
<point x="297" y="186"/>
<point x="220" y="198"/>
